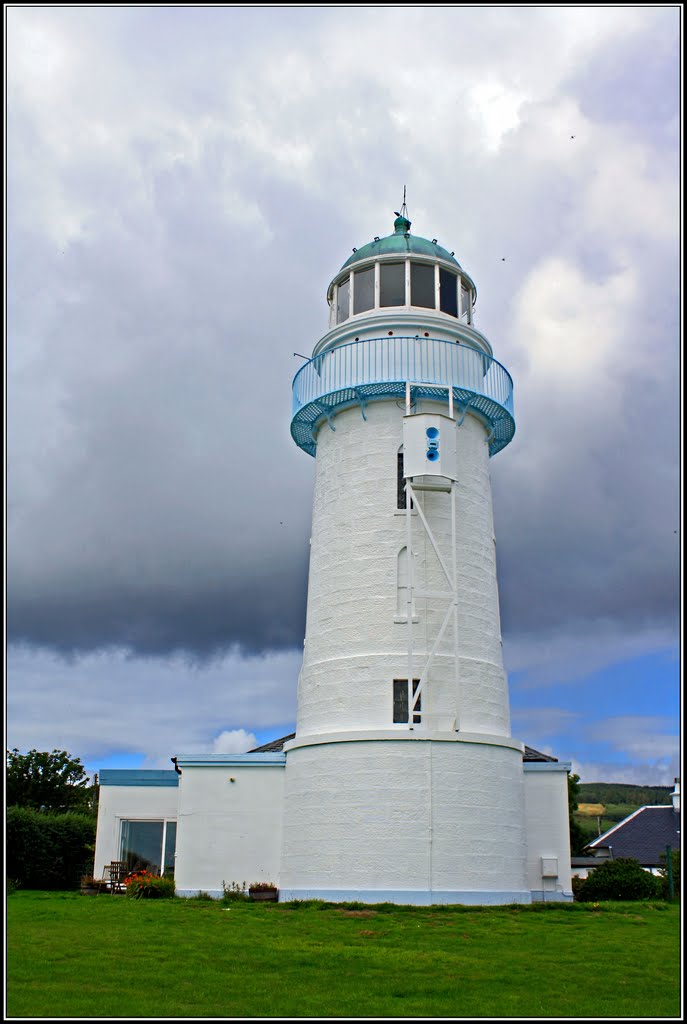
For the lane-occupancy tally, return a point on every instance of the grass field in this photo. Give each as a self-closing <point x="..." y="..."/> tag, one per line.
<point x="81" y="956"/>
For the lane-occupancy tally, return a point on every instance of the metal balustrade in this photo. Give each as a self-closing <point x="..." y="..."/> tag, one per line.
<point x="377" y="368"/>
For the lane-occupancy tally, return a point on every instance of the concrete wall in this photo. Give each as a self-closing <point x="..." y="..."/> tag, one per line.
<point x="229" y="831"/>
<point x="548" y="834"/>
<point x="149" y="802"/>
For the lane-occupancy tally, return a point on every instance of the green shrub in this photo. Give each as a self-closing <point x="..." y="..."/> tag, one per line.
<point x="47" y="850"/>
<point x="577" y="884"/>
<point x="620" y="879"/>
<point x="144" y="886"/>
<point x="234" y="892"/>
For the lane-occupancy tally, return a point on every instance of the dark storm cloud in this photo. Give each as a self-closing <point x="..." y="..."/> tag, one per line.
<point x="171" y="255"/>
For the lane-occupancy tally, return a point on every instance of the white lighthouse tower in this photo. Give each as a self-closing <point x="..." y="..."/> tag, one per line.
<point x="403" y="783"/>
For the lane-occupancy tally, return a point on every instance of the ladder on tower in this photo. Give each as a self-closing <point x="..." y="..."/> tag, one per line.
<point x="414" y="486"/>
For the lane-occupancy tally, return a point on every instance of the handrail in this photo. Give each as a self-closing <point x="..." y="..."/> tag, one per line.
<point x="378" y="368"/>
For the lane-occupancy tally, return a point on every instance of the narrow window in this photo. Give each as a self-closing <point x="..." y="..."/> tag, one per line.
<point x="402" y="584"/>
<point x="342" y="300"/>
<point x="400" y="482"/>
<point x="448" y="291"/>
<point x="401" y="701"/>
<point x="363" y="290"/>
<point x="422" y="285"/>
<point x="392" y="284"/>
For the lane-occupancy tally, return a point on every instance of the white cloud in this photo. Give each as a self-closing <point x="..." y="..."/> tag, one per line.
<point x="651" y="739"/>
<point x="107" y="703"/>
<point x="659" y="772"/>
<point x="233" y="741"/>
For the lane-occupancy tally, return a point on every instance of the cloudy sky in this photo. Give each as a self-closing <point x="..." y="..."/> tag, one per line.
<point x="182" y="184"/>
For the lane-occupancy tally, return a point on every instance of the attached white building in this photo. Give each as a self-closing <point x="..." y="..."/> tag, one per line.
<point x="402" y="782"/>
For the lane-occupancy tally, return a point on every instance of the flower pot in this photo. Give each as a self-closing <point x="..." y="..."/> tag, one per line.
<point x="263" y="894"/>
<point x="89" y="890"/>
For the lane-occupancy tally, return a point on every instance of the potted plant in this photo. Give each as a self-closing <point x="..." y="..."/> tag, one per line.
<point x="263" y="891"/>
<point x="89" y="885"/>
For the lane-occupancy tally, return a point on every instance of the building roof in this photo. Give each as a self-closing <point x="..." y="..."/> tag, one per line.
<point x="530" y="753"/>
<point x="534" y="755"/>
<point x="643" y="835"/>
<point x="401" y="243"/>
<point x="275" y="745"/>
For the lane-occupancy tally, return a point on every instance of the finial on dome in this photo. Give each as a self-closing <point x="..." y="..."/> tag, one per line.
<point x="402" y="224"/>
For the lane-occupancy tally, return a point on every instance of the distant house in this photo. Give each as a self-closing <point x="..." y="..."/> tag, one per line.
<point x="643" y="835"/>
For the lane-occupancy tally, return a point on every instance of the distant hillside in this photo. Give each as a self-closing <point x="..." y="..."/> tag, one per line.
<point x="619" y="793"/>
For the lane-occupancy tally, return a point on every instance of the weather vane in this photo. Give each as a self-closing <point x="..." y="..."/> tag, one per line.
<point x="403" y="212"/>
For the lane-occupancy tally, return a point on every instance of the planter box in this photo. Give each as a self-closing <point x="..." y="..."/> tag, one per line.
<point x="271" y="894"/>
<point x="89" y="890"/>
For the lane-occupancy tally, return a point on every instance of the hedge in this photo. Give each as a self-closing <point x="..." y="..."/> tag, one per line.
<point x="48" y="851"/>
<point x="621" y="879"/>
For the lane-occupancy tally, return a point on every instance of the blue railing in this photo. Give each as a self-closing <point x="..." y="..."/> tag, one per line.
<point x="377" y="368"/>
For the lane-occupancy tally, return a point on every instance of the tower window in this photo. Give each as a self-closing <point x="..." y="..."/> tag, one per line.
<point x="400" y="482"/>
<point x="392" y="284"/>
<point x="363" y="290"/>
<point x="448" y="291"/>
<point x="401" y="701"/>
<point x="402" y="584"/>
<point x="422" y="292"/>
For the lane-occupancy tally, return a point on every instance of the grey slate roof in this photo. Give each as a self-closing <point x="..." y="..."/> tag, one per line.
<point x="643" y="835"/>
<point x="530" y="753"/>
<point x="534" y="755"/>
<point x="274" y="746"/>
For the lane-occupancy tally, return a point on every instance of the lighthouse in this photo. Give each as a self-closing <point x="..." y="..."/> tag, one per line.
<point x="403" y="782"/>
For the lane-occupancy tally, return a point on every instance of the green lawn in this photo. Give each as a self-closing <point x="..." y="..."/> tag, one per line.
<point x="82" y="956"/>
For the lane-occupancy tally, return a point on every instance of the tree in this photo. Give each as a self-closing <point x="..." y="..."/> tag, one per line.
<point x="578" y="837"/>
<point x="48" y="781"/>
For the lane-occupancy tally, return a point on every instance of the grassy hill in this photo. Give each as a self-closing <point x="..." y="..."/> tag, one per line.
<point x="620" y="793"/>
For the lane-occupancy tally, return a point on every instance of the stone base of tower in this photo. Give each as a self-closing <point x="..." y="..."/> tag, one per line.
<point x="405" y="819"/>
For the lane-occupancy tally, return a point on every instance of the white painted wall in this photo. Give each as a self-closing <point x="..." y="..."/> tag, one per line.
<point x="354" y="648"/>
<point x="228" y="831"/>
<point x="405" y="820"/>
<point x="154" y="803"/>
<point x="548" y="832"/>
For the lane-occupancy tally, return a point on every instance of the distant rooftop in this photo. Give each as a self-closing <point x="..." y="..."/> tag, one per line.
<point x="643" y="835"/>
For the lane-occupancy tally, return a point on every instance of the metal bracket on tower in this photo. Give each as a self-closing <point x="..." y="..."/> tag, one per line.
<point x="327" y="411"/>
<point x="363" y="402"/>
<point x="459" y="423"/>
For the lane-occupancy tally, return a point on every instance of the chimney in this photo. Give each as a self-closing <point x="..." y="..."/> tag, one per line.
<point x="675" y="796"/>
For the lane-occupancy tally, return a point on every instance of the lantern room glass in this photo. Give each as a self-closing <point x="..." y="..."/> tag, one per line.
<point x="392" y="291"/>
<point x="343" y="300"/>
<point x="422" y="290"/>
<point x="363" y="290"/>
<point x="448" y="292"/>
